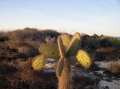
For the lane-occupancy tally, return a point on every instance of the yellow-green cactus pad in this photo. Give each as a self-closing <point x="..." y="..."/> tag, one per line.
<point x="74" y="44"/>
<point x="83" y="58"/>
<point x="63" y="43"/>
<point x="50" y="51"/>
<point x="38" y="62"/>
<point x="61" y="47"/>
<point x="60" y="67"/>
<point x="65" y="40"/>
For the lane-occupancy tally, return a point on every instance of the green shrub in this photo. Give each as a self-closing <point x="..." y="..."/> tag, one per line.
<point x="115" y="42"/>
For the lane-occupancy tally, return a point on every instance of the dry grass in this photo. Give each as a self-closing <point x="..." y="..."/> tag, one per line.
<point x="20" y="75"/>
<point x="27" y="42"/>
<point x="27" y="48"/>
<point x="114" y="66"/>
<point x="32" y="35"/>
<point x="105" y="49"/>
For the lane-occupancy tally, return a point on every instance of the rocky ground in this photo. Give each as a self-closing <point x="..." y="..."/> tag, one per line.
<point x="96" y="77"/>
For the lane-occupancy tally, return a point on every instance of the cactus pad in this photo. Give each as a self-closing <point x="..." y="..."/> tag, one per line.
<point x="38" y="62"/>
<point x="50" y="51"/>
<point x="60" y="67"/>
<point x="83" y="58"/>
<point x="63" y="43"/>
<point x="61" y="47"/>
<point x="74" y="44"/>
<point x="73" y="60"/>
<point x="65" y="40"/>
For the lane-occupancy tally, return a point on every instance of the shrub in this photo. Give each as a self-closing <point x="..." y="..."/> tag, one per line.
<point x="27" y="48"/>
<point x="115" y="42"/>
<point x="3" y="37"/>
<point x="114" y="66"/>
<point x="105" y="50"/>
<point x="32" y="35"/>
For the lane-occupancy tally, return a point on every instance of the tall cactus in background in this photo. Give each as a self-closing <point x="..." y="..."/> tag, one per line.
<point x="68" y="53"/>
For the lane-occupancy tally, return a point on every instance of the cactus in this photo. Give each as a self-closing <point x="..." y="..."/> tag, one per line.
<point x="63" y="43"/>
<point x="74" y="44"/>
<point x="69" y="53"/>
<point x="83" y="58"/>
<point x="60" y="67"/>
<point x="73" y="60"/>
<point x="65" y="40"/>
<point x="49" y="51"/>
<point x="39" y="62"/>
<point x="64" y="79"/>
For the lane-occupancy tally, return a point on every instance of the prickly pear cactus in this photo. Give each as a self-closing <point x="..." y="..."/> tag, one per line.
<point x="38" y="62"/>
<point x="65" y="40"/>
<point x="69" y="52"/>
<point x="83" y="58"/>
<point x="60" y="67"/>
<point x="68" y="58"/>
<point x="63" y="43"/>
<point x="74" y="44"/>
<point x="73" y="60"/>
<point x="49" y="51"/>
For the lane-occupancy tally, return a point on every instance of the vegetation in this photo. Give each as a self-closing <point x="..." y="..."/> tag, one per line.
<point x="3" y="37"/>
<point x="67" y="48"/>
<point x="22" y="48"/>
<point x="115" y="42"/>
<point x="27" y="28"/>
<point x="114" y="66"/>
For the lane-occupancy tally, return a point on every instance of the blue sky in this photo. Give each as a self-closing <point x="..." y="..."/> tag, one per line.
<point x="84" y="16"/>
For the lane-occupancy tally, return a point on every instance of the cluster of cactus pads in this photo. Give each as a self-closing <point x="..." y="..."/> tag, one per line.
<point x="67" y="52"/>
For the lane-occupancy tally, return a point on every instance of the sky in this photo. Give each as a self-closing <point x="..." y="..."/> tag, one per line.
<point x="84" y="16"/>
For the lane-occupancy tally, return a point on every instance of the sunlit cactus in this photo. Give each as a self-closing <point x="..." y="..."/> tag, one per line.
<point x="38" y="62"/>
<point x="65" y="40"/>
<point x="60" y="67"/>
<point x="69" y="57"/>
<point x="68" y="52"/>
<point x="74" y="44"/>
<point x="64" y="79"/>
<point x="63" y="43"/>
<point x="49" y="51"/>
<point x="83" y="58"/>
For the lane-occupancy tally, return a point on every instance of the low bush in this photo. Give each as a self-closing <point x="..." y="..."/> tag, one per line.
<point x="3" y="37"/>
<point x="32" y="35"/>
<point x="27" y="48"/>
<point x="115" y="42"/>
<point x="105" y="50"/>
<point x="114" y="66"/>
